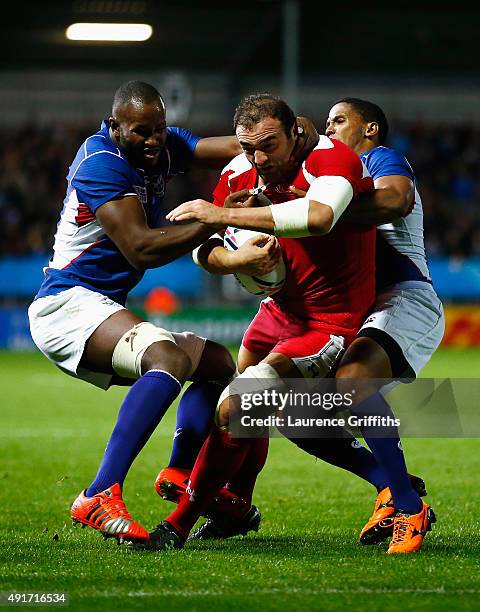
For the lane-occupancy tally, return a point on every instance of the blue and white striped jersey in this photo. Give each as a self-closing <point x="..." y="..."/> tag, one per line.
<point x="83" y="253"/>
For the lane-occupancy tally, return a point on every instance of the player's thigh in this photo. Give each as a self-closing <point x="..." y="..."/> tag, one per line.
<point x="101" y="344"/>
<point x="266" y="329"/>
<point x="367" y="362"/>
<point x="364" y="358"/>
<point x="215" y="363"/>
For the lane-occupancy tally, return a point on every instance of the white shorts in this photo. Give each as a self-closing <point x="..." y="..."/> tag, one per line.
<point x="61" y="324"/>
<point x="413" y="317"/>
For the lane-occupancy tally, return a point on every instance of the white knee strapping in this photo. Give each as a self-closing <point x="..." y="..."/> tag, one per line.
<point x="127" y="355"/>
<point x="320" y="364"/>
<point x="261" y="371"/>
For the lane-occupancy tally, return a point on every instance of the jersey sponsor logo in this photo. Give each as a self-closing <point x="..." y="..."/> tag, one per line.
<point x="108" y="302"/>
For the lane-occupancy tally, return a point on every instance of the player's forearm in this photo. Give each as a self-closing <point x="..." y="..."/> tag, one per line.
<point x="216" y="259"/>
<point x="216" y="151"/>
<point x="297" y="218"/>
<point x="259" y="219"/>
<point x="379" y="206"/>
<point x="158" y="247"/>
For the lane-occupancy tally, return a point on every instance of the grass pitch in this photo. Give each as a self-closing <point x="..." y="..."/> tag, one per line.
<point x="305" y="557"/>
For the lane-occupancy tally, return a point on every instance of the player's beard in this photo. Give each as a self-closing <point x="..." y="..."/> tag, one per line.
<point x="281" y="174"/>
<point x="133" y="152"/>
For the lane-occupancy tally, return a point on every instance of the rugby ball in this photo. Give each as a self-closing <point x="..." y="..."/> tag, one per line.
<point x="261" y="286"/>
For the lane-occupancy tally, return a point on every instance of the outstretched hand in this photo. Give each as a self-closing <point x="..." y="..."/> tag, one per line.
<point x="197" y="210"/>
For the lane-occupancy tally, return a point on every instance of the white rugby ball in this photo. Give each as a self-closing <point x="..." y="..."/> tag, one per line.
<point x="262" y="286"/>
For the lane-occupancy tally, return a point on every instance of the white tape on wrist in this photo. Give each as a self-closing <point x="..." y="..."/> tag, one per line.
<point x="291" y="218"/>
<point x="195" y="256"/>
<point x="195" y="251"/>
<point x="334" y="191"/>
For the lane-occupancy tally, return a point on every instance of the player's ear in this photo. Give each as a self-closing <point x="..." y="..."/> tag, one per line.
<point x="371" y="129"/>
<point x="296" y="130"/>
<point x="113" y="124"/>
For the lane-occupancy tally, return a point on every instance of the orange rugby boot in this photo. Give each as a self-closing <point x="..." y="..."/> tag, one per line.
<point x="107" y="513"/>
<point x="410" y="529"/>
<point x="380" y="525"/>
<point x="171" y="484"/>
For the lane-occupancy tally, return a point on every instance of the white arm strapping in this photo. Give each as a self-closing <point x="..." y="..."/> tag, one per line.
<point x="334" y="191"/>
<point x="291" y="218"/>
<point x="195" y="251"/>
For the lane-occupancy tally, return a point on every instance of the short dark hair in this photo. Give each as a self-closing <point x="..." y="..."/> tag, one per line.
<point x="257" y="107"/>
<point x="369" y="111"/>
<point x="135" y="92"/>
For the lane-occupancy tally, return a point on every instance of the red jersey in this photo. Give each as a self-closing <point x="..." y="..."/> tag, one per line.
<point x="330" y="278"/>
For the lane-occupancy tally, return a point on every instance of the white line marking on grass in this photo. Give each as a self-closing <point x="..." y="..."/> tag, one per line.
<point x="293" y="590"/>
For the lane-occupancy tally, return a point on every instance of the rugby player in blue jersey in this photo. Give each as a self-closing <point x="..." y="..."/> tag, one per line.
<point x="401" y="333"/>
<point x="399" y="336"/>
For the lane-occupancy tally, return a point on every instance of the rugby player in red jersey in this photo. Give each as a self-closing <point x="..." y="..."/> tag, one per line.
<point x="330" y="286"/>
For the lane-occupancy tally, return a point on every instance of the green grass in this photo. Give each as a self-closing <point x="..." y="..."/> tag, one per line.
<point x="306" y="556"/>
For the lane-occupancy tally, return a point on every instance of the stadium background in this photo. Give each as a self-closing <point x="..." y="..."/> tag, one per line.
<point x="55" y="92"/>
<point x="421" y="64"/>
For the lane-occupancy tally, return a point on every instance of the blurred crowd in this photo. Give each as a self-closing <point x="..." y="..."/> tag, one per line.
<point x="445" y="159"/>
<point x="34" y="163"/>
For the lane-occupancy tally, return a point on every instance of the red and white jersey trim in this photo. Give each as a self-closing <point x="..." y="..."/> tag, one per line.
<point x="237" y="166"/>
<point x="72" y="238"/>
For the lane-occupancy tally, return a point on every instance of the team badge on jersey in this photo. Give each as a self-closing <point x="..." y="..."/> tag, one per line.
<point x="142" y="194"/>
<point x="156" y="184"/>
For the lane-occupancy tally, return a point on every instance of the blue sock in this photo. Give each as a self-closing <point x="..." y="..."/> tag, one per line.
<point x="194" y="420"/>
<point x="347" y="453"/>
<point x="141" y="411"/>
<point x="388" y="452"/>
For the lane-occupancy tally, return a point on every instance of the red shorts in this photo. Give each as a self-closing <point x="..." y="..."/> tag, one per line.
<point x="273" y="330"/>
